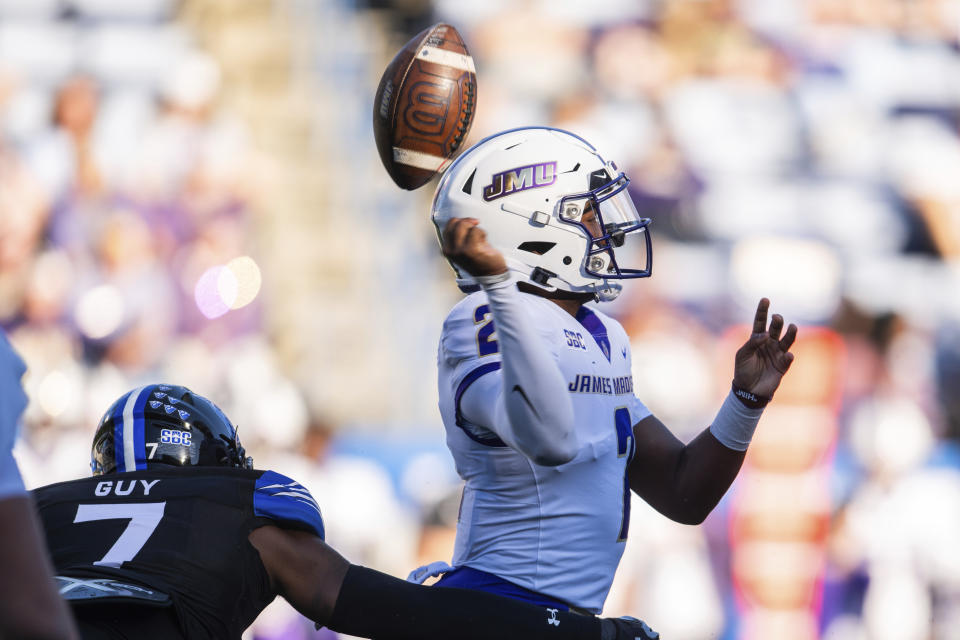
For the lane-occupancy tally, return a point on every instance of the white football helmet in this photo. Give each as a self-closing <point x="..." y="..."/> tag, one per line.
<point x="530" y="189"/>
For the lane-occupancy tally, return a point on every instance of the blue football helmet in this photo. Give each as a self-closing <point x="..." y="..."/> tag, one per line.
<point x="163" y="425"/>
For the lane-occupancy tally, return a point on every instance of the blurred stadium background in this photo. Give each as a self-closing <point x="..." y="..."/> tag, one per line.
<point x="189" y="192"/>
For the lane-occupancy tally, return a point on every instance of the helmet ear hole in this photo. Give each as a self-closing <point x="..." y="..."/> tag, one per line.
<point x="537" y="247"/>
<point x="567" y="260"/>
<point x="467" y="187"/>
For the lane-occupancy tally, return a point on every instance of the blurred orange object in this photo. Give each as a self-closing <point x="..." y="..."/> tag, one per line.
<point x="781" y="507"/>
<point x="781" y="510"/>
<point x="792" y="438"/>
<point x="778" y="575"/>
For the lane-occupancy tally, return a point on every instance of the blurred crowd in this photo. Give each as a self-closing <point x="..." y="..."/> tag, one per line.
<point x="126" y="229"/>
<point x="804" y="150"/>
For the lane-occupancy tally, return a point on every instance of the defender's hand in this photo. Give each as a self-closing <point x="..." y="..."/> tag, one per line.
<point x="626" y="628"/>
<point x="765" y="357"/>
<point x="466" y="245"/>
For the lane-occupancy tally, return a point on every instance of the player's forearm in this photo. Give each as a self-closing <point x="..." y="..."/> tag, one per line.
<point x="704" y="472"/>
<point x="30" y="606"/>
<point x="534" y="395"/>
<point x="375" y="605"/>
<point x="683" y="482"/>
<point x="707" y="466"/>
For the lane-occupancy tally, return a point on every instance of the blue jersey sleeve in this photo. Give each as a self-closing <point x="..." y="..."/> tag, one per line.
<point x="288" y="502"/>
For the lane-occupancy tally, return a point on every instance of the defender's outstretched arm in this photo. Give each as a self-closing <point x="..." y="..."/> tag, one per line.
<point x="323" y="586"/>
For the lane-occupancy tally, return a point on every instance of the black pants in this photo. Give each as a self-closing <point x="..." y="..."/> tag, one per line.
<point x="118" y="621"/>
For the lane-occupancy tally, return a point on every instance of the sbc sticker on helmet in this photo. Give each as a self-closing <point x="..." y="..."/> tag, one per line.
<point x="174" y="436"/>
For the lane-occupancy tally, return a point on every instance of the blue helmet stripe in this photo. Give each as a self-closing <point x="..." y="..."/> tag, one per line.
<point x="139" y="422"/>
<point x="129" y="427"/>
<point x="117" y="418"/>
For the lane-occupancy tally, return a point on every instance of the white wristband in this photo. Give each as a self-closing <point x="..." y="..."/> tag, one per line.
<point x="496" y="281"/>
<point x="735" y="423"/>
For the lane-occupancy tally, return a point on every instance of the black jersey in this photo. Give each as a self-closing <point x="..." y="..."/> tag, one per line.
<point x="183" y="532"/>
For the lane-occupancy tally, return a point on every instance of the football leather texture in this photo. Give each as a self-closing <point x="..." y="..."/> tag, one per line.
<point x="424" y="106"/>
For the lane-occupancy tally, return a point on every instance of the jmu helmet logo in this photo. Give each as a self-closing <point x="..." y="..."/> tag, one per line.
<point x="532" y="176"/>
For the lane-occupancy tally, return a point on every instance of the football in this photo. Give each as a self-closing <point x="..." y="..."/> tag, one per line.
<point x="424" y="106"/>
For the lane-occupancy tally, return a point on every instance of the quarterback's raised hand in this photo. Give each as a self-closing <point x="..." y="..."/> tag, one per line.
<point x="764" y="358"/>
<point x="465" y="244"/>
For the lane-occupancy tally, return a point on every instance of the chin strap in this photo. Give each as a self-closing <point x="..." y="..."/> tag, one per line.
<point x="557" y="294"/>
<point x="537" y="284"/>
<point x="608" y="294"/>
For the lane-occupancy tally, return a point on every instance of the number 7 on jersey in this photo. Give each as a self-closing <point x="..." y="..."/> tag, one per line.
<point x="144" y="518"/>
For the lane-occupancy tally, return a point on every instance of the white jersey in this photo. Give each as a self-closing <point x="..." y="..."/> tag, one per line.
<point x="558" y="531"/>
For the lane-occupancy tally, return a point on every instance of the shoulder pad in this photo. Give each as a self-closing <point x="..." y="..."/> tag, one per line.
<point x="464" y="309"/>
<point x="458" y="339"/>
<point x="288" y="502"/>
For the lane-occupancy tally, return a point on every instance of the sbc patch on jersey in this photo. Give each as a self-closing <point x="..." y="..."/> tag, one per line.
<point x="279" y="498"/>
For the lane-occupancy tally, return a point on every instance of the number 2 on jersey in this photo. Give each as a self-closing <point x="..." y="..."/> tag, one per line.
<point x="144" y="518"/>
<point x="485" y="344"/>
<point x="625" y="448"/>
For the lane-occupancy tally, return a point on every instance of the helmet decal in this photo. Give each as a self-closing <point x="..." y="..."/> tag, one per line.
<point x="542" y="174"/>
<point x="599" y="178"/>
